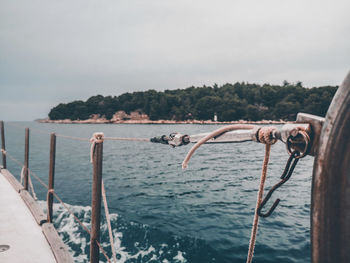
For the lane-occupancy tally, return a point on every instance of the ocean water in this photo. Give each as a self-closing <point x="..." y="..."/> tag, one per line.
<point x="161" y="213"/>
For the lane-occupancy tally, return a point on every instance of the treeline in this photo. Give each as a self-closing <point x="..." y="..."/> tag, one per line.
<point x="239" y="101"/>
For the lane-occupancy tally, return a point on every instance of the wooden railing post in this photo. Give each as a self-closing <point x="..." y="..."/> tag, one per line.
<point x="51" y="177"/>
<point x="26" y="159"/>
<point x="96" y="202"/>
<point x="3" y="148"/>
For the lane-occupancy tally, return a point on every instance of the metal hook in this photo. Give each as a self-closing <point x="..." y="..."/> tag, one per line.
<point x="288" y="170"/>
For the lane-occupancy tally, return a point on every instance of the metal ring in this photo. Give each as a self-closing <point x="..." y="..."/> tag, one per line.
<point x="306" y="138"/>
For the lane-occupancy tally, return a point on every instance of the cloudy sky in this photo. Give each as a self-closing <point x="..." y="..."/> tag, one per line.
<point x="59" y="51"/>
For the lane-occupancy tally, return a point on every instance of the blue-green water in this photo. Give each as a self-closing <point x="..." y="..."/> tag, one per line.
<point x="161" y="213"/>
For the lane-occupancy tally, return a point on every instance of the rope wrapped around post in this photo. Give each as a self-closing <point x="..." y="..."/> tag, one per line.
<point x="97" y="137"/>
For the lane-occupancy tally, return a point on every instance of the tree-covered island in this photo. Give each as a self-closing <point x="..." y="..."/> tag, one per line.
<point x="230" y="102"/>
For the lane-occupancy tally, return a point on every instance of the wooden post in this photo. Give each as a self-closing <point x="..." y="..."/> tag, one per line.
<point x="3" y="148"/>
<point x="26" y="159"/>
<point x="96" y="203"/>
<point x="51" y="177"/>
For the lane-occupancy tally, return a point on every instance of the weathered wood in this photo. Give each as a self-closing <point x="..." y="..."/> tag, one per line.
<point x="51" y="177"/>
<point x="34" y="208"/>
<point x="3" y="148"/>
<point x="26" y="158"/>
<point x="12" y="180"/>
<point x="59" y="249"/>
<point x="330" y="198"/>
<point x="96" y="203"/>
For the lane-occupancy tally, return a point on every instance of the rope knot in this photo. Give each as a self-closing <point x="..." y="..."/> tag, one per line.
<point x="266" y="135"/>
<point x="3" y="151"/>
<point x="97" y="137"/>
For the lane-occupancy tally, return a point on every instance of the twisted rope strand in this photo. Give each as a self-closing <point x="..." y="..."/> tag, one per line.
<point x="266" y="136"/>
<point x="258" y="202"/>
<point x="108" y="219"/>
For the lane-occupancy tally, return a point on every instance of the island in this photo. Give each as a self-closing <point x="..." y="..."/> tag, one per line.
<point x="230" y="103"/>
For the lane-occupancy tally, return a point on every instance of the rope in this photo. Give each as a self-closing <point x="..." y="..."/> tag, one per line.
<point x="21" y="126"/>
<point x="38" y="179"/>
<point x="213" y="134"/>
<point x="103" y="251"/>
<point x="30" y="183"/>
<point x="3" y="151"/>
<point x="72" y="137"/>
<point x="14" y="160"/>
<point x="258" y="202"/>
<point x="21" y="176"/>
<point x="31" y="187"/>
<point x="111" y="240"/>
<point x="84" y="139"/>
<point x="266" y="136"/>
<point x="70" y="212"/>
<point x="29" y="171"/>
<point x="127" y="139"/>
<point x="97" y="137"/>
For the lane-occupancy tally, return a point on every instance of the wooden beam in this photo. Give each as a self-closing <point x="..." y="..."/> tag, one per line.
<point x="34" y="208"/>
<point x="59" y="249"/>
<point x="12" y="180"/>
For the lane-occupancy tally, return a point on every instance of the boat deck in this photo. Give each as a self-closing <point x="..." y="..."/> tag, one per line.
<point x="19" y="230"/>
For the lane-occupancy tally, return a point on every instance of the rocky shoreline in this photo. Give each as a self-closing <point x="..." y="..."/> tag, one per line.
<point x="105" y="121"/>
<point x="137" y="117"/>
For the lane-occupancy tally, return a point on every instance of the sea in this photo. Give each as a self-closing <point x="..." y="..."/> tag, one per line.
<point x="160" y="212"/>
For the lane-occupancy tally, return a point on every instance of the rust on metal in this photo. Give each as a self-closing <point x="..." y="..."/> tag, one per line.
<point x="330" y="200"/>
<point x="316" y="124"/>
<point x="300" y="143"/>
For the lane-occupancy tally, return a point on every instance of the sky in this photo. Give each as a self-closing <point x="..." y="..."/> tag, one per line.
<point x="58" y="51"/>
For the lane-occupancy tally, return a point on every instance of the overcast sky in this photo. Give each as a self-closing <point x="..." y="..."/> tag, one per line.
<point x="60" y="51"/>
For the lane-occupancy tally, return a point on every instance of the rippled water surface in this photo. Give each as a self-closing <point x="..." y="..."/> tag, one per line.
<point x="161" y="213"/>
